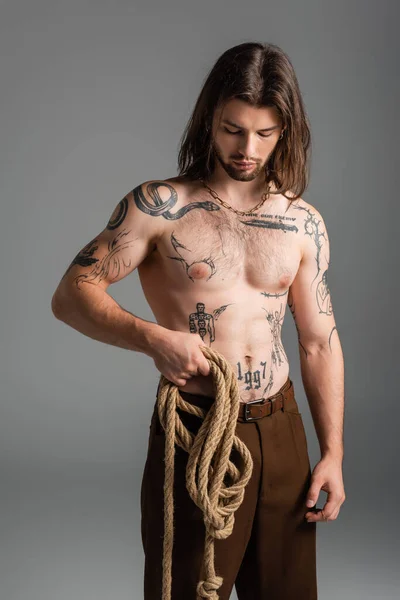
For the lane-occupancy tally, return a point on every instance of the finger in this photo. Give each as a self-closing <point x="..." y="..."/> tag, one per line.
<point x="204" y="368"/>
<point x="315" y="517"/>
<point x="325" y="513"/>
<point x="188" y="375"/>
<point x="313" y="494"/>
<point x="331" y="504"/>
<point x="335" y="514"/>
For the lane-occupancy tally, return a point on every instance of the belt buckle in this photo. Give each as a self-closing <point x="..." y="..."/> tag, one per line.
<point x="246" y="410"/>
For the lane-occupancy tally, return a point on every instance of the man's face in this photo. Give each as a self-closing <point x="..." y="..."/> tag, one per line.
<point x="240" y="132"/>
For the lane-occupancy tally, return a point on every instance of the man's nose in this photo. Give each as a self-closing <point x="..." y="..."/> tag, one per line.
<point x="247" y="147"/>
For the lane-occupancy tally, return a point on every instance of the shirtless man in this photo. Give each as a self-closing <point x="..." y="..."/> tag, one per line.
<point x="218" y="271"/>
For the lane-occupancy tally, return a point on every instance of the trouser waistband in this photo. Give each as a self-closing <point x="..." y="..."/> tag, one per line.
<point x="254" y="409"/>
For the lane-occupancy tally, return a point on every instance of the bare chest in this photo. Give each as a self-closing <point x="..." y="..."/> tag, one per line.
<point x="217" y="247"/>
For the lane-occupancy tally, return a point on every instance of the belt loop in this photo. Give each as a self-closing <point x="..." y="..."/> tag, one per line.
<point x="283" y="402"/>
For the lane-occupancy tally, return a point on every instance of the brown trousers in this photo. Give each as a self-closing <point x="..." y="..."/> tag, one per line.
<point x="271" y="552"/>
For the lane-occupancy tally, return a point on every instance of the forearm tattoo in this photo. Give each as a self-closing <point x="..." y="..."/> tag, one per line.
<point x="202" y="322"/>
<point x="109" y="267"/>
<point x="196" y="269"/>
<point x="157" y="207"/>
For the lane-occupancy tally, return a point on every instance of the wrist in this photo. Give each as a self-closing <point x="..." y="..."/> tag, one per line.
<point x="332" y="455"/>
<point x="152" y="335"/>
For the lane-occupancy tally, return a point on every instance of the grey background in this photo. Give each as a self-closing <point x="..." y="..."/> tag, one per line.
<point x="94" y="99"/>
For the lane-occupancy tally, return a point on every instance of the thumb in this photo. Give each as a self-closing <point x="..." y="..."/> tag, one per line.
<point x="204" y="367"/>
<point x="313" y="494"/>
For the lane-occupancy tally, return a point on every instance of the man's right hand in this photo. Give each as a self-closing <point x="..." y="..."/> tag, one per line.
<point x="178" y="357"/>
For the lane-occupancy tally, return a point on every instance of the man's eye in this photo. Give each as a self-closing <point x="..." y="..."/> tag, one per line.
<point x="229" y="131"/>
<point x="237" y="132"/>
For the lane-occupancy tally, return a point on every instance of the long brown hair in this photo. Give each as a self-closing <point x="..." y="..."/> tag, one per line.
<point x="262" y="75"/>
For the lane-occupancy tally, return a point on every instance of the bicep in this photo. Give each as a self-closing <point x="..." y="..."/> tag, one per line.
<point x="309" y="297"/>
<point x="128" y="238"/>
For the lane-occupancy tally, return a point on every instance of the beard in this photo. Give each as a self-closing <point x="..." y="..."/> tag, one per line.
<point x="235" y="172"/>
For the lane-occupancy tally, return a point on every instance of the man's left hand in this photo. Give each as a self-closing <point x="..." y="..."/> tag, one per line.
<point x="327" y="476"/>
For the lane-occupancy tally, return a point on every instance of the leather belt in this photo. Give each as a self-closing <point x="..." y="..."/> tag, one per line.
<point x="264" y="407"/>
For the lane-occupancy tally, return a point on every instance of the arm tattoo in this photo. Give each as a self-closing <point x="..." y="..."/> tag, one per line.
<point x="324" y="295"/>
<point x="119" y="214"/>
<point x="330" y="335"/>
<point x="85" y="257"/>
<point x="109" y="267"/>
<point x="202" y="323"/>
<point x="157" y="207"/>
<point x="311" y="227"/>
<point x="198" y="266"/>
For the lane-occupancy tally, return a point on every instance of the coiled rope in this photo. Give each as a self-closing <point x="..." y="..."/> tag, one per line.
<point x="209" y="451"/>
